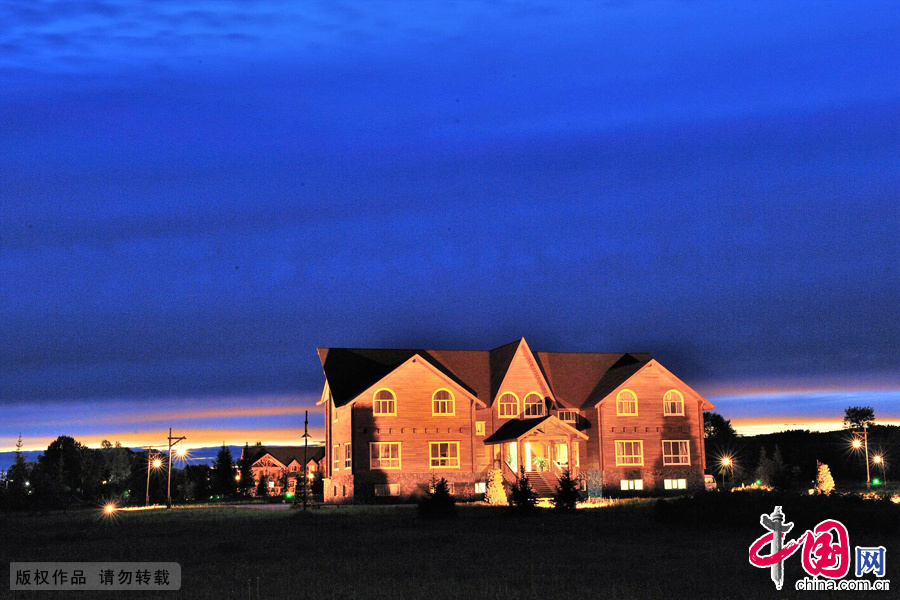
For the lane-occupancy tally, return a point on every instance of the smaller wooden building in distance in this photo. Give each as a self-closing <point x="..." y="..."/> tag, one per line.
<point x="282" y="465"/>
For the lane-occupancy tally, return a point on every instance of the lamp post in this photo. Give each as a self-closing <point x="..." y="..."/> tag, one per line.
<point x="152" y="463"/>
<point x="172" y="441"/>
<point x="305" y="456"/>
<point x="864" y="443"/>
<point x="727" y="463"/>
<point x="878" y="459"/>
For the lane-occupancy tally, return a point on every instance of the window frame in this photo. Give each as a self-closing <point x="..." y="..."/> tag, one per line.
<point x="687" y="455"/>
<point x="619" y="411"/>
<point x="392" y="401"/>
<point x="677" y="483"/>
<point x="542" y="409"/>
<point x="500" y="404"/>
<point x="432" y="458"/>
<point x="386" y="487"/>
<point x="574" y="413"/>
<point x="335" y="457"/>
<point x="379" y="466"/>
<point x="666" y="412"/>
<point x="348" y="455"/>
<point x="631" y="485"/>
<point x="452" y="402"/>
<point x="479" y="427"/>
<point x="620" y="457"/>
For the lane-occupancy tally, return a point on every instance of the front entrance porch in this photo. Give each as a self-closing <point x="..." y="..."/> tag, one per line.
<point x="544" y="448"/>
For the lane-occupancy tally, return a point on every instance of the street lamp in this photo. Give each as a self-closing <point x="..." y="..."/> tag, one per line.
<point x="857" y="444"/>
<point x="152" y="463"/>
<point x="878" y="459"/>
<point x="727" y="463"/>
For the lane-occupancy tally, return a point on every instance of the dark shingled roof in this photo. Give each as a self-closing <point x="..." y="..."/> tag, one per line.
<point x="577" y="379"/>
<point x="287" y="454"/>
<point x="512" y="430"/>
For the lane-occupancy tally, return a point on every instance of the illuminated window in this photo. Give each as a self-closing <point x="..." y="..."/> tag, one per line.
<point x="480" y="487"/>
<point x="509" y="405"/>
<point x="335" y="457"/>
<point x="626" y="403"/>
<point x="348" y="456"/>
<point x="675" y="484"/>
<point x="632" y="484"/>
<point x="629" y="453"/>
<point x="673" y="403"/>
<point x="569" y="416"/>
<point x="387" y="489"/>
<point x="534" y="405"/>
<point x="444" y="454"/>
<point x="384" y="455"/>
<point x="384" y="403"/>
<point x="271" y="484"/>
<point x="442" y="403"/>
<point x="676" y="452"/>
<point x="479" y="427"/>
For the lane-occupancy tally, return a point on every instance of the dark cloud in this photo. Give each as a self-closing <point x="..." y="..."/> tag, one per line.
<point x="196" y="195"/>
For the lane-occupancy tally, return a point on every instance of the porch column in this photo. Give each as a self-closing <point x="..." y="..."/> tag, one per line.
<point x="571" y="462"/>
<point x="520" y="449"/>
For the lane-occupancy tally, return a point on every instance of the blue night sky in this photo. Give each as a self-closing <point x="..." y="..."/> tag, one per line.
<point x="194" y="195"/>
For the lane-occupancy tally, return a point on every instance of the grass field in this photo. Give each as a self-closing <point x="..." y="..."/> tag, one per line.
<point x="387" y="552"/>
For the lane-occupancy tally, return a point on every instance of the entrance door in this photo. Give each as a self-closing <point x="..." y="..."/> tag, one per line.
<point x="562" y="453"/>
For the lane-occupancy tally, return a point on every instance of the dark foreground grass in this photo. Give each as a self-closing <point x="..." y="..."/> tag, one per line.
<point x="630" y="551"/>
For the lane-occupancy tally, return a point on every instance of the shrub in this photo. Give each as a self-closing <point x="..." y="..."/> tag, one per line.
<point x="567" y="495"/>
<point x="824" y="480"/>
<point x="522" y="497"/>
<point x="438" y="503"/>
<point x="495" y="494"/>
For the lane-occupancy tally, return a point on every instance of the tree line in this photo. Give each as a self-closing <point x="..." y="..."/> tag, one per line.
<point x="68" y="474"/>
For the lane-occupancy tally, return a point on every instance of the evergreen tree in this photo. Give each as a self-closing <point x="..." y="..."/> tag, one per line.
<point x="764" y="469"/>
<point x="223" y="481"/>
<point x="566" y="497"/>
<point x="17" y="479"/>
<point x="245" y="470"/>
<point x="495" y="494"/>
<point x="262" y="489"/>
<point x="824" y="480"/>
<point x="439" y="503"/>
<point x="522" y="497"/>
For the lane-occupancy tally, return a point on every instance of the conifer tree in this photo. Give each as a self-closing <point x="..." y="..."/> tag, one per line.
<point x="824" y="480"/>
<point x="495" y="494"/>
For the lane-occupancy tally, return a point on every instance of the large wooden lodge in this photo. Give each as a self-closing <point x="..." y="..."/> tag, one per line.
<point x="621" y="422"/>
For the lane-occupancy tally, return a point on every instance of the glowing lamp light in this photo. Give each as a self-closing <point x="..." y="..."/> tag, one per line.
<point x="157" y="463"/>
<point x="857" y="443"/>
<point x="876" y="481"/>
<point x="758" y="482"/>
<point x="289" y="495"/>
<point x="181" y="452"/>
<point x="726" y="462"/>
<point x="109" y="508"/>
<point x="237" y="477"/>
<point x="877" y="459"/>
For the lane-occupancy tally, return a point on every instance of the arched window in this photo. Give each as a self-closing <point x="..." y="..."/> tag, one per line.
<point x="626" y="403"/>
<point x="673" y="403"/>
<point x="509" y="405"/>
<point x="442" y="403"/>
<point x="534" y="405"/>
<point x="384" y="403"/>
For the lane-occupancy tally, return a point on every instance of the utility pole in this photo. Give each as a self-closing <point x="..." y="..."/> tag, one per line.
<point x="172" y="442"/>
<point x="149" y="465"/>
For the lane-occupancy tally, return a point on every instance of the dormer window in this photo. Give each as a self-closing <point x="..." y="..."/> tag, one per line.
<point x="534" y="405"/>
<point x="673" y="404"/>
<point x="626" y="403"/>
<point x="442" y="403"/>
<point x="384" y="403"/>
<point x="509" y="405"/>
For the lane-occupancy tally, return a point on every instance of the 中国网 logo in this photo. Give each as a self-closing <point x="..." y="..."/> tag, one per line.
<point x="825" y="553"/>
